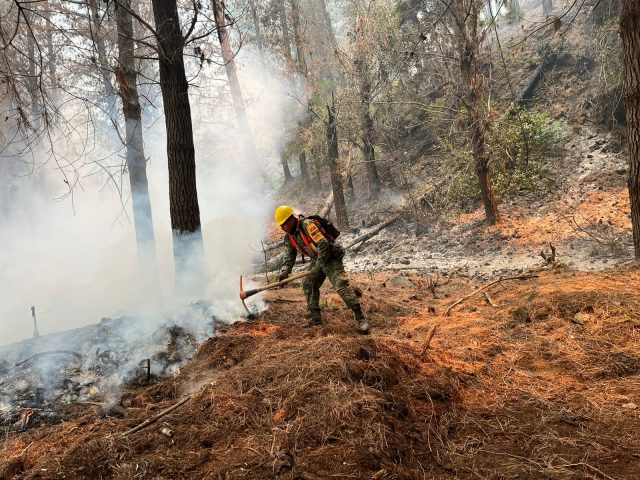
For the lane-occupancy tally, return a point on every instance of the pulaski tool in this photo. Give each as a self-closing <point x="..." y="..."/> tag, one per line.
<point x="244" y="294"/>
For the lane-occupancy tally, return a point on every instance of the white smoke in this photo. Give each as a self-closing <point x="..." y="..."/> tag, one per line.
<point x="78" y="264"/>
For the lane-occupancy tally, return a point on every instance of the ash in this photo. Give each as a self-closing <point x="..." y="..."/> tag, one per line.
<point x="41" y="377"/>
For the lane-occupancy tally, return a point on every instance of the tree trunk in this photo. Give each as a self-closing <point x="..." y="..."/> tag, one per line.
<point x="136" y="162"/>
<point x="188" y="248"/>
<point x="32" y="82"/>
<point x="298" y="36"/>
<point x="368" y="132"/>
<point x="327" y="21"/>
<point x="342" y="218"/>
<point x="285" y="168"/>
<point x="286" y="40"/>
<point x="547" y="7"/>
<point x="304" y="171"/>
<point x="234" y="83"/>
<point x="468" y="49"/>
<point x="256" y="25"/>
<point x="51" y="54"/>
<point x="630" y="33"/>
<point x="101" y="61"/>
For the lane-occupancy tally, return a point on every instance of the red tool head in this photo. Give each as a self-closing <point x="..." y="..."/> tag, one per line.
<point x="244" y="295"/>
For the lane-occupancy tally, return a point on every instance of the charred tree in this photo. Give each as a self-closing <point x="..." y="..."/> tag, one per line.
<point x="342" y="218"/>
<point x="127" y="77"/>
<point x="234" y="83"/>
<point x="630" y="33"/>
<point x="188" y="248"/>
<point x="466" y="18"/>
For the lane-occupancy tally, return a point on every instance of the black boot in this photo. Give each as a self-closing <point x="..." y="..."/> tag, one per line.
<point x="315" y="318"/>
<point x="363" y="326"/>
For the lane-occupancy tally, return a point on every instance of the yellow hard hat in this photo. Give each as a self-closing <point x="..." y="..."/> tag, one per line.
<point x="282" y="213"/>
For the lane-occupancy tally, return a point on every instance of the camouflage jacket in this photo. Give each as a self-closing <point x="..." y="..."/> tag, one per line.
<point x="320" y="248"/>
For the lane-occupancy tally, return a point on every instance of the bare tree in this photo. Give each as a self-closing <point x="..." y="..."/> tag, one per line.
<point x="298" y="36"/>
<point x="630" y="33"/>
<point x="96" y="18"/>
<point x="342" y="217"/>
<point x="127" y="76"/>
<point x="234" y="83"/>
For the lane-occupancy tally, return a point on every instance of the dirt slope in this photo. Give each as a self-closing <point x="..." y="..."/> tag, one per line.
<point x="542" y="385"/>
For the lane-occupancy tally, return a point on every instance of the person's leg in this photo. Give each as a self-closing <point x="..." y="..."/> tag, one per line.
<point x="338" y="278"/>
<point x="311" y="288"/>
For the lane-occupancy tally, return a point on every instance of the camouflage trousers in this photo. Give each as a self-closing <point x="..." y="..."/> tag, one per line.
<point x="334" y="271"/>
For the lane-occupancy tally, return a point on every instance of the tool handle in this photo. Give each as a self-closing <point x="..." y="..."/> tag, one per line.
<point x="296" y="276"/>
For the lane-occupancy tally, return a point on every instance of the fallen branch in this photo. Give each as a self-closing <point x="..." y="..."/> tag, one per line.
<point x="51" y="352"/>
<point x="478" y="290"/>
<point x="157" y="417"/>
<point x="490" y="300"/>
<point x="371" y="233"/>
<point x="427" y="342"/>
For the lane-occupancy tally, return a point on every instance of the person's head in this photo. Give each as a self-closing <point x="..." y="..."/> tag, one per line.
<point x="286" y="219"/>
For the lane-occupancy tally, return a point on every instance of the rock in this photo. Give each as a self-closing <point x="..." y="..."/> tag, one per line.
<point x="581" y="318"/>
<point x="521" y="315"/>
<point x="630" y="406"/>
<point x="399" y="281"/>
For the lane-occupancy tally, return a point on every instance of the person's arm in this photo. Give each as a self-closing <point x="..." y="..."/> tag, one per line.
<point x="289" y="259"/>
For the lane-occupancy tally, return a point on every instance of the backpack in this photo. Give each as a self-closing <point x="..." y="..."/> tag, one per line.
<point x="328" y="228"/>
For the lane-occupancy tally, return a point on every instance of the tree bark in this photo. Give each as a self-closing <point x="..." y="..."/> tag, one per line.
<point x="630" y="33"/>
<point x="304" y="171"/>
<point x="329" y="26"/>
<point x="368" y="131"/>
<point x="234" y="83"/>
<point x="188" y="248"/>
<point x="547" y="7"/>
<point x="285" y="168"/>
<point x="342" y="218"/>
<point x="467" y="20"/>
<point x="298" y="36"/>
<point x="136" y="162"/>
<point x="101" y="61"/>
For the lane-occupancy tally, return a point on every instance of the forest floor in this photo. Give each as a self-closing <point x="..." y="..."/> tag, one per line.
<point x="540" y="379"/>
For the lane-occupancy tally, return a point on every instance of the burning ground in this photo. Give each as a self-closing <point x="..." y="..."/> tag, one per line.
<point x="538" y="379"/>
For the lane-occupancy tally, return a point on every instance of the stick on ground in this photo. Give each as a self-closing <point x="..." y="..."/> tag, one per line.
<point x="157" y="417"/>
<point x="484" y="287"/>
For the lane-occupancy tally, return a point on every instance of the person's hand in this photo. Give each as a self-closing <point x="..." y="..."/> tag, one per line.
<point x="281" y="277"/>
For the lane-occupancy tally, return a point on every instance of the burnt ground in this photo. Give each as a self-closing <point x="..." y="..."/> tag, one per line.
<point x="539" y="379"/>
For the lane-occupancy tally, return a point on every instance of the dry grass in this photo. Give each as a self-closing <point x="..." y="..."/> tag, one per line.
<point x="492" y="397"/>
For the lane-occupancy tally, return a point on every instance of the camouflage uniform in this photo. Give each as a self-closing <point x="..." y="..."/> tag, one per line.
<point x="325" y="262"/>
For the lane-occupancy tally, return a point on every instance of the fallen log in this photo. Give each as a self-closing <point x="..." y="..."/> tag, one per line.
<point x="484" y="287"/>
<point x="157" y="417"/>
